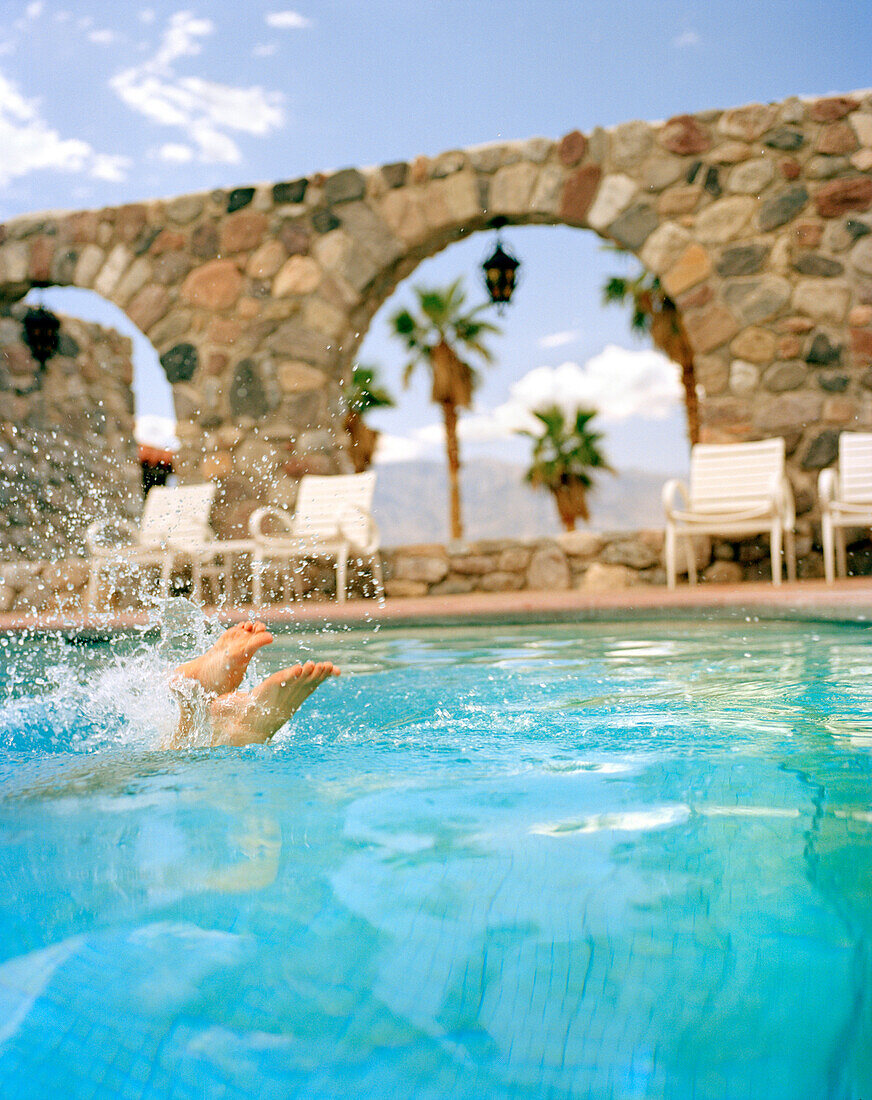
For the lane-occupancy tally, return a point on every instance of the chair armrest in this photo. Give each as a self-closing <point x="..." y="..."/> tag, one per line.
<point x="827" y="485"/>
<point x="260" y="515"/>
<point x="670" y="489"/>
<point x="98" y="545"/>
<point x="372" y="541"/>
<point x="193" y="547"/>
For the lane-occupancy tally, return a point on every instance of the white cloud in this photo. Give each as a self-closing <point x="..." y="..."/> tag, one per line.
<point x="31" y="12"/>
<point x="156" y="431"/>
<point x="686" y="40"/>
<point x="147" y="15"/>
<point x="103" y="37"/>
<point x="287" y="20"/>
<point x="618" y="383"/>
<point x="265" y="49"/>
<point x="30" y="144"/>
<point x="399" y="448"/>
<point x="175" y="153"/>
<point x="110" y="167"/>
<point x="202" y="109"/>
<point x="559" y="339"/>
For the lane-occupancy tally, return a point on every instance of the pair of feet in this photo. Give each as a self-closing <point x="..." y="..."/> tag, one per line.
<point x="240" y="717"/>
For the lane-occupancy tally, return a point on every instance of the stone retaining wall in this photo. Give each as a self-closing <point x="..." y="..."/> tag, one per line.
<point x="582" y="560"/>
<point x="67" y="451"/>
<point x="585" y="560"/>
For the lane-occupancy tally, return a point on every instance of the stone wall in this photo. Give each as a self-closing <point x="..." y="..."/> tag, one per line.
<point x="588" y="561"/>
<point x="581" y="560"/>
<point x="67" y="451"/>
<point x="756" y="218"/>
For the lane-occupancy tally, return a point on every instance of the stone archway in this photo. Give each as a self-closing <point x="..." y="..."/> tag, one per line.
<point x="257" y="298"/>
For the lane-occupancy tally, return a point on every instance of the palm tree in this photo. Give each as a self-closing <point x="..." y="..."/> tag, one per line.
<point x="564" y="450"/>
<point x="365" y="393"/>
<point x="655" y="313"/>
<point x="441" y="325"/>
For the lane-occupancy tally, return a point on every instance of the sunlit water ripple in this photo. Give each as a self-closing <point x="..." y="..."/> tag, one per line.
<point x="622" y="860"/>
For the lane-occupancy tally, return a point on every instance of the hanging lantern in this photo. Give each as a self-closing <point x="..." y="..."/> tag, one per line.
<point x="42" y="337"/>
<point x="42" y="334"/>
<point x="500" y="272"/>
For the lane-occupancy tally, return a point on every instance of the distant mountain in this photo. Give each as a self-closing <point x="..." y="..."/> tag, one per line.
<point x="411" y="502"/>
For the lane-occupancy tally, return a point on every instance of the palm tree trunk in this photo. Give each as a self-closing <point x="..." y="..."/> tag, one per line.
<point x="669" y="336"/>
<point x="571" y="501"/>
<point x="363" y="442"/>
<point x="691" y="404"/>
<point x="449" y="413"/>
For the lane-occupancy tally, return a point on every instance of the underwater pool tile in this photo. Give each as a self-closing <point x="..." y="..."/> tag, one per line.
<point x="416" y="938"/>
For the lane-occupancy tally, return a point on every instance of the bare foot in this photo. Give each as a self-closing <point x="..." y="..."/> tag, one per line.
<point x="252" y="717"/>
<point x="220" y="669"/>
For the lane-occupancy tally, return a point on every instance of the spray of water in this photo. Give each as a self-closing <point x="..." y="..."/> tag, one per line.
<point x="123" y="699"/>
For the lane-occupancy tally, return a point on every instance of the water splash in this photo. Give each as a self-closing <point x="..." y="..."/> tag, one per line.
<point x="83" y="700"/>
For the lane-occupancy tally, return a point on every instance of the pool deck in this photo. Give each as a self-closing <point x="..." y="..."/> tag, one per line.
<point x="847" y="600"/>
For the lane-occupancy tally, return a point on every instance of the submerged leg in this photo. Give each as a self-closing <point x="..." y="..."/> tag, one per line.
<point x="221" y="668"/>
<point x="252" y="717"/>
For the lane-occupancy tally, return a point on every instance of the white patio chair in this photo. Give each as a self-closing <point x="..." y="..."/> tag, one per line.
<point x="736" y="489"/>
<point x="845" y="495"/>
<point x="332" y="520"/>
<point x="174" y="528"/>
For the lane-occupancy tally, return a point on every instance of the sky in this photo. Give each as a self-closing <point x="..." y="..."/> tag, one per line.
<point x="103" y="103"/>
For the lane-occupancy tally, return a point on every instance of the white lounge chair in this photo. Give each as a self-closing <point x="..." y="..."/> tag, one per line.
<point x="332" y="520"/>
<point x="736" y="489"/>
<point x="845" y="497"/>
<point x="174" y="528"/>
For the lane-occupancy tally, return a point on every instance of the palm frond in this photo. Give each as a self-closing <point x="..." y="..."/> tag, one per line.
<point x="403" y="323"/>
<point x="640" y="321"/>
<point x="615" y="289"/>
<point x="366" y="391"/>
<point x="566" y="449"/>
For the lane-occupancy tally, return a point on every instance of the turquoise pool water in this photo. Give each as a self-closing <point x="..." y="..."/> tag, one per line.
<point x="597" y="860"/>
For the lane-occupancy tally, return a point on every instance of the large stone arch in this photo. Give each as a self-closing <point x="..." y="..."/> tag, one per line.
<point x="257" y="298"/>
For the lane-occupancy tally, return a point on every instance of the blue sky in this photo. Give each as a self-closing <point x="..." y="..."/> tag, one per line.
<point x="102" y="103"/>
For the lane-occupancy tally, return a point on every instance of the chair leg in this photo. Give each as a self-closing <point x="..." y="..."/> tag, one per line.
<point x="841" y="553"/>
<point x="669" y="548"/>
<point x="341" y="575"/>
<point x="790" y="551"/>
<point x="296" y="569"/>
<point x="227" y="573"/>
<point x="378" y="576"/>
<point x="93" y="586"/>
<point x="257" y="580"/>
<point x="829" y="549"/>
<point x="166" y="575"/>
<point x="775" y="552"/>
<point x="691" y="558"/>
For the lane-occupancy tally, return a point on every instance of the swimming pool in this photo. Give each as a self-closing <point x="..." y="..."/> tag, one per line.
<point x="629" y="860"/>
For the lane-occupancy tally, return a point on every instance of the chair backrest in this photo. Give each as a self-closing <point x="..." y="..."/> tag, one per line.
<point x="177" y="512"/>
<point x="326" y="503"/>
<point x="855" y="467"/>
<point x="733" y="476"/>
